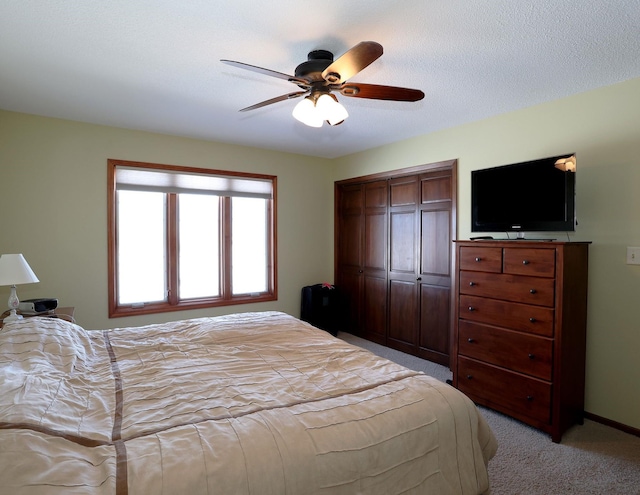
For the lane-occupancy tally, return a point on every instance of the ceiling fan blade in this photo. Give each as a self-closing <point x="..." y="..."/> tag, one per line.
<point x="288" y="96"/>
<point x="352" y="62"/>
<point x="267" y="72"/>
<point x="380" y="92"/>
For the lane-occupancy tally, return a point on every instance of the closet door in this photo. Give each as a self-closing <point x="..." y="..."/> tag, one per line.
<point x="374" y="304"/>
<point x="435" y="265"/>
<point x="404" y="309"/>
<point x="349" y="249"/>
<point x="362" y="258"/>
<point x="420" y="264"/>
<point x="394" y="257"/>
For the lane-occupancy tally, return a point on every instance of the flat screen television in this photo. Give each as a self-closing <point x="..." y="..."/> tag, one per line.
<point x="533" y="196"/>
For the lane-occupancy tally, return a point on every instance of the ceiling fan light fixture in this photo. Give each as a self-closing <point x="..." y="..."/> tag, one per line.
<point x="314" y="110"/>
<point x="305" y="111"/>
<point x="321" y="74"/>
<point x="330" y="109"/>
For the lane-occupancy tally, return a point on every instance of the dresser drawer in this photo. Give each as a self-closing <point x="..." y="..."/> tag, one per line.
<point x="505" y="390"/>
<point x="524" y="317"/>
<point x="517" y="351"/>
<point x="482" y="259"/>
<point x="517" y="288"/>
<point x="532" y="262"/>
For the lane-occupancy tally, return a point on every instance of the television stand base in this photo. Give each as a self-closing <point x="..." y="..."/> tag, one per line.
<point x="520" y="236"/>
<point x="532" y="239"/>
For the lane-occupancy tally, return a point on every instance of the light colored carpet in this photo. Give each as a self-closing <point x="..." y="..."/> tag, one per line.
<point x="592" y="459"/>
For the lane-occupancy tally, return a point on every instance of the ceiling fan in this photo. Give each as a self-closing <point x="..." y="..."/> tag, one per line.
<point x="320" y="76"/>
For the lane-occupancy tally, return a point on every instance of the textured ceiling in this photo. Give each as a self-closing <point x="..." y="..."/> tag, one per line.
<point x="155" y="64"/>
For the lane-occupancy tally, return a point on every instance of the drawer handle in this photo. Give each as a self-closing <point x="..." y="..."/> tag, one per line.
<point x="532" y="356"/>
<point x="525" y="262"/>
<point x="469" y="377"/>
<point x="532" y="291"/>
<point x="471" y="284"/>
<point x="478" y="259"/>
<point x="530" y="398"/>
<point x="532" y="319"/>
<point x="470" y="340"/>
<point x="471" y="308"/>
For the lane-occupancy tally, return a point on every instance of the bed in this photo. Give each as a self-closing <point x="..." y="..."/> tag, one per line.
<point x="250" y="403"/>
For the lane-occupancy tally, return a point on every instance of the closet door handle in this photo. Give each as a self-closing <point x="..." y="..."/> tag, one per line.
<point x="419" y="278"/>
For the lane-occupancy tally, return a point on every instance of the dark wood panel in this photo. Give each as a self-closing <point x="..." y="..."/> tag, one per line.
<point x="403" y="312"/>
<point x="375" y="244"/>
<point x="570" y="356"/>
<point x="376" y="194"/>
<point x="402" y="242"/>
<point x="350" y="245"/>
<point x="524" y="317"/>
<point x="435" y="241"/>
<point x="349" y="255"/>
<point x="435" y="305"/>
<point x="516" y="288"/>
<point x="349" y="285"/>
<point x="481" y="259"/>
<point x="351" y="199"/>
<point x="403" y="191"/>
<point x="526" y="353"/>
<point x="533" y="262"/>
<point x="361" y="237"/>
<point x="374" y="314"/>
<point x="435" y="188"/>
<point x="505" y="390"/>
<point x="416" y="212"/>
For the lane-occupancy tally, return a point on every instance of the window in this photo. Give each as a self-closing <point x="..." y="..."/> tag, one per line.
<point x="186" y="238"/>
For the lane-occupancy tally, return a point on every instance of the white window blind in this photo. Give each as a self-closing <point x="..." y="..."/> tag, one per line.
<point x="171" y="181"/>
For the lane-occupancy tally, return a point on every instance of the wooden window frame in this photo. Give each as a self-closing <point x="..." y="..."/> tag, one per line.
<point x="172" y="303"/>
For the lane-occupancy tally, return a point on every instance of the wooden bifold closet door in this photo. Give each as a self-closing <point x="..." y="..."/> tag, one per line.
<point x="362" y="258"/>
<point x="394" y="258"/>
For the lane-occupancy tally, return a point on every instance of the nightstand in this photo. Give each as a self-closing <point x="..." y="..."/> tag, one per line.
<point x="64" y="313"/>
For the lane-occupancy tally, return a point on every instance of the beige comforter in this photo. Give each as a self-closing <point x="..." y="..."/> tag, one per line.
<point x="253" y="403"/>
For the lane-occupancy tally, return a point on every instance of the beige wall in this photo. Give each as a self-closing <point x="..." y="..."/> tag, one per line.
<point x="53" y="201"/>
<point x="602" y="127"/>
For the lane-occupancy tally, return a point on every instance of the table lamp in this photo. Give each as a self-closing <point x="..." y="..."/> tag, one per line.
<point x="15" y="270"/>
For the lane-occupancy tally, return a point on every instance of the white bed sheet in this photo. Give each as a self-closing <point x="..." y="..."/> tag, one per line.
<point x="250" y="403"/>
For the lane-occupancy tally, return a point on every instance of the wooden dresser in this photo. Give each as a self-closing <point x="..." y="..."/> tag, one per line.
<point x="520" y="329"/>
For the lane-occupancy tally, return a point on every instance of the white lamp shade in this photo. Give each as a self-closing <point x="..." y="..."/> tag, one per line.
<point x="15" y="270"/>
<point x="305" y="112"/>
<point x="331" y="110"/>
<point x="338" y="115"/>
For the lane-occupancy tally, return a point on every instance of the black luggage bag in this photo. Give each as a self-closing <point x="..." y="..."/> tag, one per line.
<point x="320" y="307"/>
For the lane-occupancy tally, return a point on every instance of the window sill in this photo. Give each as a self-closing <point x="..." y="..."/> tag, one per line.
<point x="156" y="308"/>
